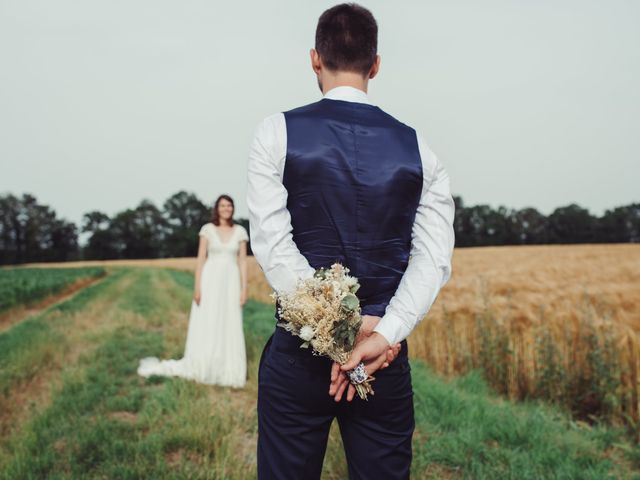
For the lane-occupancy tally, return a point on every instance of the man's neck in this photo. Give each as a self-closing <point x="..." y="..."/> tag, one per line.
<point x="345" y="79"/>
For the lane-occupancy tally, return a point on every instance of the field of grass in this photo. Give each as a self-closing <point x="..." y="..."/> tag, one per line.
<point x="553" y="322"/>
<point x="25" y="286"/>
<point x="73" y="406"/>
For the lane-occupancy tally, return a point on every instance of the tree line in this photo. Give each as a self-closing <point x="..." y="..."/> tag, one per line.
<point x="31" y="232"/>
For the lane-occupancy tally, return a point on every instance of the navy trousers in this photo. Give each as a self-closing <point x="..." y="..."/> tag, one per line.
<point x="295" y="413"/>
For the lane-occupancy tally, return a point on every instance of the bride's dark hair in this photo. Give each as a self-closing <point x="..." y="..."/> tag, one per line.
<point x="215" y="216"/>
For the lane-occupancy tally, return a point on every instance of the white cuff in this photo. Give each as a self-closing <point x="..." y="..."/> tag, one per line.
<point x="392" y="328"/>
<point x="284" y="280"/>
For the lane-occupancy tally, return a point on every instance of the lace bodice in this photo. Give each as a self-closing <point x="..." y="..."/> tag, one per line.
<point x="215" y="245"/>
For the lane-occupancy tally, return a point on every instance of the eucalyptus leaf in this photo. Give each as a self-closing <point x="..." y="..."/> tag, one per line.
<point x="341" y="333"/>
<point x="349" y="302"/>
<point x="352" y="338"/>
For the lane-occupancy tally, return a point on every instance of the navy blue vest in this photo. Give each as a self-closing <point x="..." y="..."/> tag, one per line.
<point x="353" y="174"/>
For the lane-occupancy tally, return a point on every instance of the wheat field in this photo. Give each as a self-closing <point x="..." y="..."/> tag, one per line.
<point x="559" y="322"/>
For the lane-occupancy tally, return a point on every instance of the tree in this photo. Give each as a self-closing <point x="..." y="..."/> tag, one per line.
<point x="102" y="242"/>
<point x="622" y="224"/>
<point x="31" y="232"/>
<point x="184" y="215"/>
<point x="572" y="224"/>
<point x="139" y="233"/>
<point x="528" y="226"/>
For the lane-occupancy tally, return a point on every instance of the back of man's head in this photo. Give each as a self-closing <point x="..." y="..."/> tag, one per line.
<point x="347" y="38"/>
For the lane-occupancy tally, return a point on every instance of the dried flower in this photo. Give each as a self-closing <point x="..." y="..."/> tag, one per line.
<point x="306" y="333"/>
<point x="325" y="312"/>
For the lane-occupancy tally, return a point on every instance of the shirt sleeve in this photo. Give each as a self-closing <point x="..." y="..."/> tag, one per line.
<point x="432" y="243"/>
<point x="243" y="237"/>
<point x="204" y="230"/>
<point x="269" y="220"/>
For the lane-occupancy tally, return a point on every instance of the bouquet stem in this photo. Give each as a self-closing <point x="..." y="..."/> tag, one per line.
<point x="361" y="380"/>
<point x="363" y="389"/>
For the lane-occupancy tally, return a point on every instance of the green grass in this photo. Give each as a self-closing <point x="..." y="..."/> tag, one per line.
<point x="471" y="431"/>
<point x="29" y="345"/>
<point x="106" y="422"/>
<point x="24" y="286"/>
<point x="75" y="435"/>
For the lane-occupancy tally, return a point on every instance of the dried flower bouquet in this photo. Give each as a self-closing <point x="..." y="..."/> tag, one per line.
<point x="324" y="311"/>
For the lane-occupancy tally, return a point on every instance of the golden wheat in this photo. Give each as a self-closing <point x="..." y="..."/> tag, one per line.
<point x="552" y="321"/>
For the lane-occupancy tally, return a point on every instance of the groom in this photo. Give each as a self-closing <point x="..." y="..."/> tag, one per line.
<point x="341" y="180"/>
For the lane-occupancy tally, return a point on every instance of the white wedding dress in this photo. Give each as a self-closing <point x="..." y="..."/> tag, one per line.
<point x="215" y="348"/>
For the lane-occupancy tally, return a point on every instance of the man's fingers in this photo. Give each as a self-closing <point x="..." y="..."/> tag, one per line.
<point x="390" y="356"/>
<point x="340" y="379"/>
<point x="351" y="392"/>
<point x="335" y="368"/>
<point x="338" y="396"/>
<point x="354" y="360"/>
<point x="374" y="365"/>
<point x="393" y="351"/>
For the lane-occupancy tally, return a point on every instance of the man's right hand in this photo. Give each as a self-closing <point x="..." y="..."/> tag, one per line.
<point x="369" y="322"/>
<point x="339" y="379"/>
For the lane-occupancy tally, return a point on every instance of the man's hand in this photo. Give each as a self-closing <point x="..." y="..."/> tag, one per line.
<point x="339" y="379"/>
<point x="371" y="351"/>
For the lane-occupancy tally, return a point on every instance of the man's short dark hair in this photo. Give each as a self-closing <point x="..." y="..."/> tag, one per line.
<point x="347" y="38"/>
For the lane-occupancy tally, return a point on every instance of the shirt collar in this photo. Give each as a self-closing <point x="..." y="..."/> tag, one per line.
<point x="347" y="93"/>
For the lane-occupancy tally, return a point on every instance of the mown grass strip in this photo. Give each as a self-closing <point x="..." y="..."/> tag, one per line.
<point x="109" y="423"/>
<point x="31" y="344"/>
<point x="75" y="435"/>
<point x="24" y="286"/>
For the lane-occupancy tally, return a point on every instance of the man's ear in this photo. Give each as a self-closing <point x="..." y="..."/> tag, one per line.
<point x="375" y="67"/>
<point x="315" y="61"/>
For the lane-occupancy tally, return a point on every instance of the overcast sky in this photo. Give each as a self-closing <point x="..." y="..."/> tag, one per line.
<point x="105" y="103"/>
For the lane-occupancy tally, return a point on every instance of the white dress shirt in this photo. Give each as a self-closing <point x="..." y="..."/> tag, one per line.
<point x="432" y="237"/>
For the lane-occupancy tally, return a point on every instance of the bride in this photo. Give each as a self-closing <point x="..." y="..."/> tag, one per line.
<point x="215" y="348"/>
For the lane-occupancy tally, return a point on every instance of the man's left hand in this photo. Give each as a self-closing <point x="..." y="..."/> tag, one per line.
<point x="372" y="349"/>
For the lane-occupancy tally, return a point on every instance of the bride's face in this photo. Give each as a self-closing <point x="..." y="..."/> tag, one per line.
<point x="225" y="209"/>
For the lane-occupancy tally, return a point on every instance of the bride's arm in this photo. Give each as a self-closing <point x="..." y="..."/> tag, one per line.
<point x="202" y="256"/>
